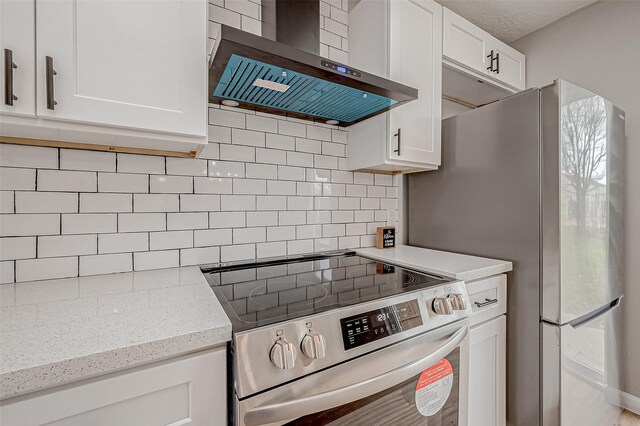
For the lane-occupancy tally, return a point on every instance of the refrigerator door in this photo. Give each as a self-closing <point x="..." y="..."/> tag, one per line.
<point x="582" y="202"/>
<point x="580" y="370"/>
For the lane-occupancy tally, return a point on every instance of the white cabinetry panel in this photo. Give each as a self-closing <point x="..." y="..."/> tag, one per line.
<point x="134" y="64"/>
<point x="188" y="391"/>
<point x="487" y="373"/>
<point x="17" y="38"/>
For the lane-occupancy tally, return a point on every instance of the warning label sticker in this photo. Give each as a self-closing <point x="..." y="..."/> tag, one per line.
<point x="433" y="388"/>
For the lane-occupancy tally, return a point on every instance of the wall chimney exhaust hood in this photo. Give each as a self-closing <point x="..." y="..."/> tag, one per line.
<point x="258" y="73"/>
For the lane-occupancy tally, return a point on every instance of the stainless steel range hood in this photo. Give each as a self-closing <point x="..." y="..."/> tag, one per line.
<point x="271" y="76"/>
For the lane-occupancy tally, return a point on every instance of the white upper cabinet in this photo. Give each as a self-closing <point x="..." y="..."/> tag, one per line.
<point x="133" y="64"/>
<point x="400" y="40"/>
<point x="467" y="46"/>
<point x="17" y="41"/>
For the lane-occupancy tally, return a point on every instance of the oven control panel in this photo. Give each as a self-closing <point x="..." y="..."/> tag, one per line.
<point x="358" y="330"/>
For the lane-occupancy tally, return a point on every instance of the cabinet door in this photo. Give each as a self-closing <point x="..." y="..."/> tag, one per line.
<point x="17" y="40"/>
<point x="133" y="64"/>
<point x="415" y="53"/>
<point x="510" y="65"/>
<point x="188" y="391"/>
<point x="487" y="373"/>
<point x="464" y="43"/>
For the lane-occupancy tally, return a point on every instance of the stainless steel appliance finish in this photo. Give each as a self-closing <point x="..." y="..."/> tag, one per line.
<point x="537" y="178"/>
<point x="328" y="334"/>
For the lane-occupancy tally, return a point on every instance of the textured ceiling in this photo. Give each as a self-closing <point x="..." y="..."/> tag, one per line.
<point x="509" y="20"/>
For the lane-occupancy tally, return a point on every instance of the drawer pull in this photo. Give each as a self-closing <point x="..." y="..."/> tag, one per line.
<point x="50" y="72"/>
<point x="486" y="302"/>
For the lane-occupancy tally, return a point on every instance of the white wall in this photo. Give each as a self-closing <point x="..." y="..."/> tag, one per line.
<point x="598" y="48"/>
<point x="264" y="186"/>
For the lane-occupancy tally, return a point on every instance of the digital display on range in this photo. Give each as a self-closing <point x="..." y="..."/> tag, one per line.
<point x="374" y="325"/>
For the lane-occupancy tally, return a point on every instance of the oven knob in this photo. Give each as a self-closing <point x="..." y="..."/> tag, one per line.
<point x="442" y="306"/>
<point x="313" y="345"/>
<point x="458" y="302"/>
<point x="283" y="354"/>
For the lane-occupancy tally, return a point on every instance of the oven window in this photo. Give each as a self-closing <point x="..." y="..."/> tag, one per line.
<point x="396" y="405"/>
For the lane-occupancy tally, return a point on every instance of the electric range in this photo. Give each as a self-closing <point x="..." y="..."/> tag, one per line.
<point x="296" y="316"/>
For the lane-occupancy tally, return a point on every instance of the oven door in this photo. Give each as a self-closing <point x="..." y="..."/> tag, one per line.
<point x="419" y="381"/>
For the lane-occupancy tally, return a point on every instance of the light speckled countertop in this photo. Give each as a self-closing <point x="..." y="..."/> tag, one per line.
<point x="454" y="265"/>
<point x="60" y="331"/>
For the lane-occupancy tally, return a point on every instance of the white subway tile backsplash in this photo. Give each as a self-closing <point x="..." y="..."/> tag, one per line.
<point x="67" y="245"/>
<point x="199" y="203"/>
<point x="237" y="202"/>
<point x="324" y="244"/>
<point x="217" y="134"/>
<point x="299" y="159"/>
<point x="341" y="216"/>
<point x="223" y="117"/>
<point x="249" y="186"/>
<point x="133" y="163"/>
<point x="339" y="136"/>
<point x="339" y="176"/>
<point x="318" y="175"/>
<point x="146" y="260"/>
<point x="106" y="203"/>
<point x="52" y="268"/>
<point x="170" y="240"/>
<point x="46" y="202"/>
<point x="262" y="171"/>
<point x="12" y="248"/>
<point x="386" y="180"/>
<point x="147" y="203"/>
<point x="308" y="231"/>
<point x="7" y="202"/>
<point x="28" y="156"/>
<point x="309" y="188"/>
<point x="299" y="203"/>
<point x="141" y="222"/>
<point x="325" y="162"/>
<point x="17" y="179"/>
<point x="335" y="149"/>
<point x="271" y="202"/>
<point x="267" y="218"/>
<point x="186" y="167"/>
<point x="347" y="203"/>
<point x="123" y="182"/>
<point x="179" y="221"/>
<point x="69" y="181"/>
<point x="291" y="173"/>
<point x="271" y="249"/>
<point x="212" y="185"/>
<point x="356" y="229"/>
<point x="299" y="246"/>
<point x="6" y="276"/>
<point x="326" y="203"/>
<point x="18" y="225"/>
<point x="123" y="243"/>
<point x="333" y="230"/>
<point x="249" y="235"/>
<point x="271" y="156"/>
<point x="319" y="216"/>
<point x="281" y="233"/>
<point x="262" y="124"/>
<point x="89" y="223"/>
<point x="376" y="191"/>
<point x="370" y="203"/>
<point x="336" y="27"/>
<point x="356" y="191"/>
<point x="247" y="137"/>
<point x="238" y="153"/>
<point x="308" y="145"/>
<point x="318" y="132"/>
<point x="333" y="189"/>
<point x="292" y="218"/>
<point x="291" y="128"/>
<point x="199" y="256"/>
<point x="212" y="237"/>
<point x="76" y="159"/>
<point x="348" y="242"/>
<point x="280" y="141"/>
<point x="171" y="184"/>
<point x="227" y="219"/>
<point x="238" y="252"/>
<point x="244" y="7"/>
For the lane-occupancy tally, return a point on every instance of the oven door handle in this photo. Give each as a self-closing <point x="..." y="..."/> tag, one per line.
<point x="323" y="401"/>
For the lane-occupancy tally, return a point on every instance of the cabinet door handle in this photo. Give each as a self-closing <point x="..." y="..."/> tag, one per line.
<point x="51" y="101"/>
<point x="9" y="66"/>
<point x="398" y="135"/>
<point x="490" y="57"/>
<point x="497" y="70"/>
<point x="486" y="302"/>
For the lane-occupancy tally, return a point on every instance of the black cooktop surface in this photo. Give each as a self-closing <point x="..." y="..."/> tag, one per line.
<point x="262" y="293"/>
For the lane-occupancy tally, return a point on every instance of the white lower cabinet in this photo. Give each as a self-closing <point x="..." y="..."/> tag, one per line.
<point x="190" y="390"/>
<point x="487" y="373"/>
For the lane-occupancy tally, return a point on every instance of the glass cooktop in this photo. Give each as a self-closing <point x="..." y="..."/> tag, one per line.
<point x="262" y="293"/>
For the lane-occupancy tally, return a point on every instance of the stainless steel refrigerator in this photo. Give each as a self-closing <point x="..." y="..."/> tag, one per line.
<point x="538" y="178"/>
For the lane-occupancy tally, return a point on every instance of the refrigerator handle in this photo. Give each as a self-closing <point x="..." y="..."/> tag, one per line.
<point x="592" y="316"/>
